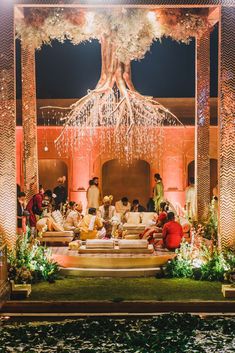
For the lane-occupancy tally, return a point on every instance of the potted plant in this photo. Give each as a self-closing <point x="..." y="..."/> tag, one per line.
<point x="228" y="290"/>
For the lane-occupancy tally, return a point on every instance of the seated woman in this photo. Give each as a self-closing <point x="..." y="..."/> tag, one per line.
<point x="172" y="233"/>
<point x="162" y="217"/>
<point x="91" y="226"/>
<point x="151" y="232"/>
<point x="47" y="222"/>
<point x="73" y="218"/>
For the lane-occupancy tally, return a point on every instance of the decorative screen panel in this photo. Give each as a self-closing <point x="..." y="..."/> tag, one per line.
<point x="7" y="125"/>
<point x="227" y="128"/>
<point x="202" y="124"/>
<point x="29" y="115"/>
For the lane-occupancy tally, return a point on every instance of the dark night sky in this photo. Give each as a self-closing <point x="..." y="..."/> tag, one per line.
<point x="68" y="71"/>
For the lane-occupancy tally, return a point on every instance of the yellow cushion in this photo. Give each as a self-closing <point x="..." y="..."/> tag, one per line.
<point x="75" y="245"/>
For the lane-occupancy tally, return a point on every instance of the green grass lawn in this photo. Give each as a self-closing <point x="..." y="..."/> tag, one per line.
<point x="75" y="288"/>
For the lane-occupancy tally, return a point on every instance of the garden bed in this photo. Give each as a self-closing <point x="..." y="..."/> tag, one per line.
<point x="119" y="289"/>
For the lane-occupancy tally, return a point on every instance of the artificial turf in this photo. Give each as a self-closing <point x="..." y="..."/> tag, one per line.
<point x="75" y="288"/>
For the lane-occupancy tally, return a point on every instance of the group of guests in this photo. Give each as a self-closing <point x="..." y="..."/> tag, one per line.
<point x="94" y="197"/>
<point x="101" y="219"/>
<point x="165" y="224"/>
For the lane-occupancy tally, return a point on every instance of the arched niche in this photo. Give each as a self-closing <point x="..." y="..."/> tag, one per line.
<point x="50" y="170"/>
<point x="213" y="173"/>
<point x="132" y="181"/>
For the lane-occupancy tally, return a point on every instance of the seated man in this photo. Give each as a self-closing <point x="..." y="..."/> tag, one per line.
<point x="123" y="206"/>
<point x="172" y="233"/>
<point x="136" y="207"/>
<point x="107" y="212"/>
<point x="91" y="226"/>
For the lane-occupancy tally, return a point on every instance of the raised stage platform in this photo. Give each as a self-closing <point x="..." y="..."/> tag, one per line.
<point x="110" y="265"/>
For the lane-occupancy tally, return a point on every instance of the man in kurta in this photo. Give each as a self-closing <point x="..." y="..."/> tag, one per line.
<point x="107" y="212"/>
<point x="191" y="200"/>
<point x="158" y="192"/>
<point x="93" y="195"/>
<point x="91" y="226"/>
<point x="123" y="206"/>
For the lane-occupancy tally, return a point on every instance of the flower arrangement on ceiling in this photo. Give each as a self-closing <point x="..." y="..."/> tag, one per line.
<point x="131" y="122"/>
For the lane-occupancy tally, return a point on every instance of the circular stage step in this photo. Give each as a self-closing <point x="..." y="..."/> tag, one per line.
<point x="110" y="272"/>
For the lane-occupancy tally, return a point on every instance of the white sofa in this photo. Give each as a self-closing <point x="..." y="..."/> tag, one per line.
<point x="136" y="222"/>
<point x="57" y="236"/>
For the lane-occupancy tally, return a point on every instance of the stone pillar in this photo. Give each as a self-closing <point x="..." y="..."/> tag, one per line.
<point x="80" y="179"/>
<point x="227" y="128"/>
<point x="202" y="124"/>
<point x="29" y="120"/>
<point x="7" y="125"/>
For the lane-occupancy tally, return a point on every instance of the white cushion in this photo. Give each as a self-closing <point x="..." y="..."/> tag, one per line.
<point x="99" y="243"/>
<point x="57" y="216"/>
<point x="133" y="218"/>
<point x="133" y="244"/>
<point x="147" y="217"/>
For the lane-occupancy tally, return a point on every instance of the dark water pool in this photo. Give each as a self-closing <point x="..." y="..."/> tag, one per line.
<point x="164" y="333"/>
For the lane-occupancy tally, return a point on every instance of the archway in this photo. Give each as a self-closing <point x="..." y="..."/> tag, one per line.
<point x="213" y="173"/>
<point x="121" y="180"/>
<point x="50" y="170"/>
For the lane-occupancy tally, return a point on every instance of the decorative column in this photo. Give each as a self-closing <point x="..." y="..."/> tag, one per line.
<point x="29" y="119"/>
<point x="7" y="125"/>
<point x="227" y="127"/>
<point x="202" y="125"/>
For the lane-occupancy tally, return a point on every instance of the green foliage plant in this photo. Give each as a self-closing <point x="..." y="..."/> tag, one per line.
<point x="30" y="262"/>
<point x="201" y="260"/>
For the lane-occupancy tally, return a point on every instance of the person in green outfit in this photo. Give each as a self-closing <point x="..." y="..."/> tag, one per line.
<point x="158" y="192"/>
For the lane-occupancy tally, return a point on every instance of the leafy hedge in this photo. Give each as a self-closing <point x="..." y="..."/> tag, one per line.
<point x="172" y="333"/>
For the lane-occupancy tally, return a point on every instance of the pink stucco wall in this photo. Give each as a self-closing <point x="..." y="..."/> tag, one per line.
<point x="177" y="153"/>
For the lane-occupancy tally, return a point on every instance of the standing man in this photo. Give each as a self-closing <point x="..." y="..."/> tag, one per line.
<point x="191" y="200"/>
<point x="158" y="192"/>
<point x="93" y="195"/>
<point x="34" y="207"/>
<point x="60" y="192"/>
<point x="96" y="183"/>
<point x="21" y="197"/>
